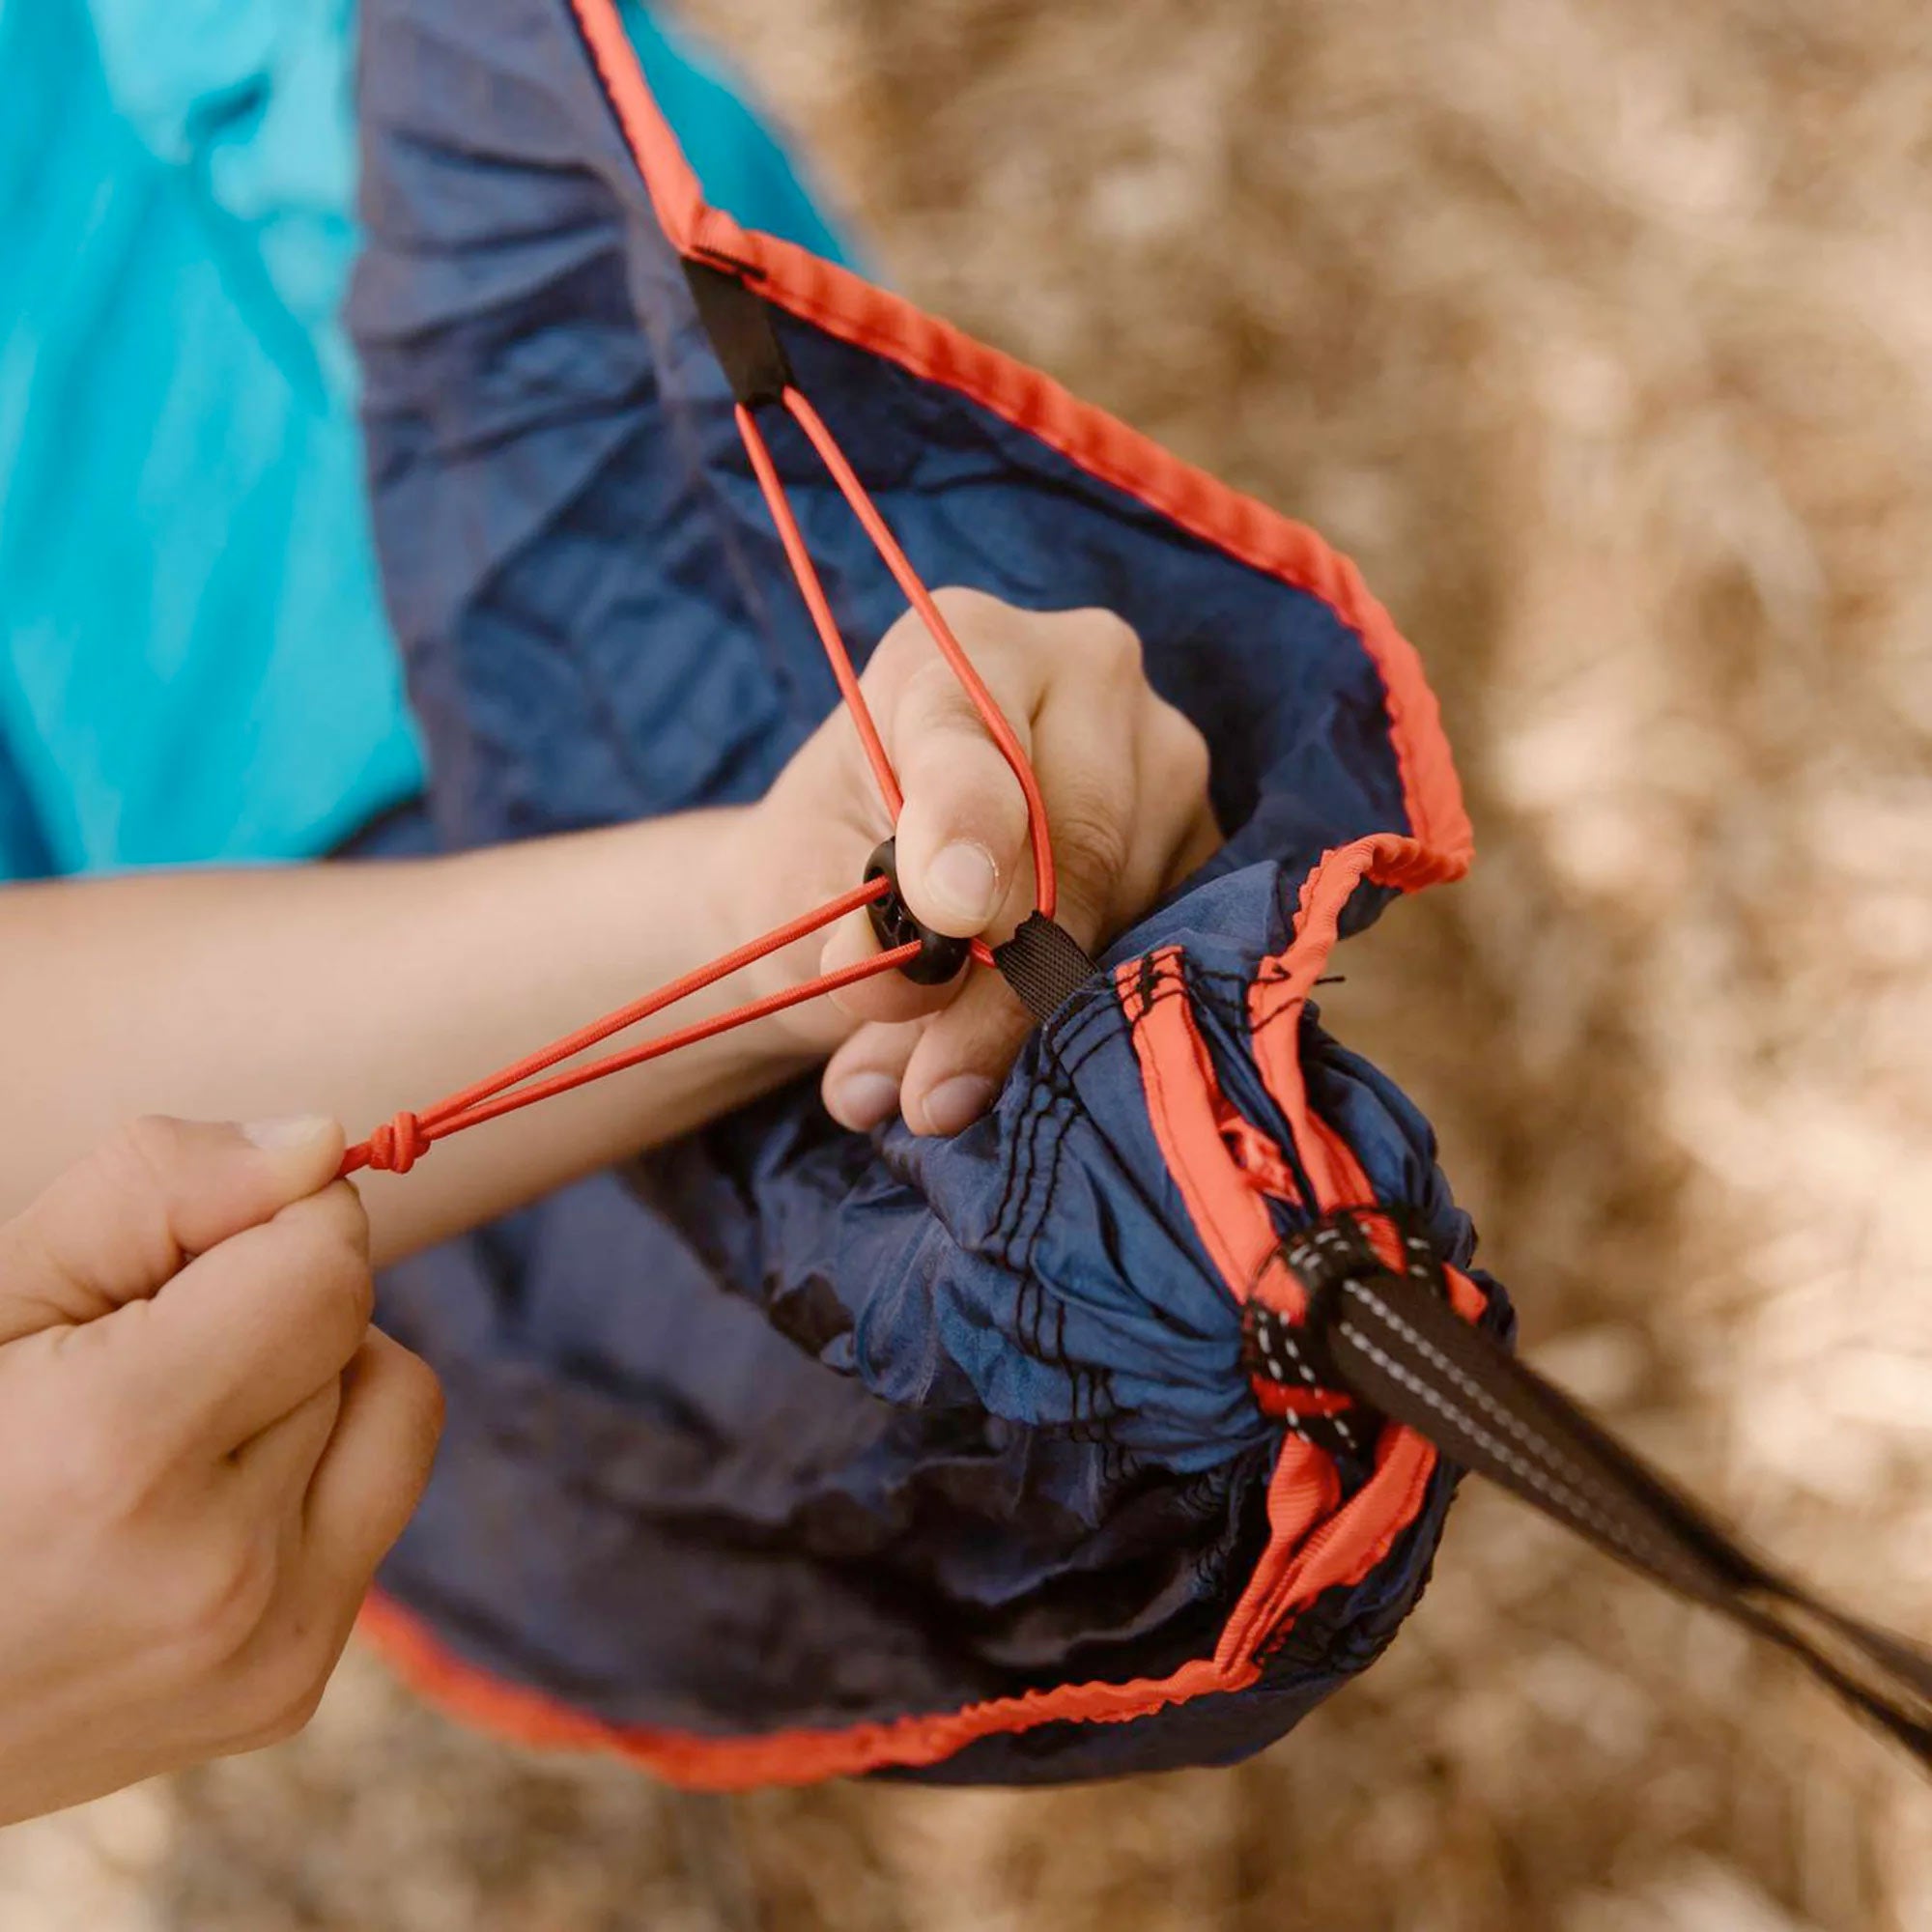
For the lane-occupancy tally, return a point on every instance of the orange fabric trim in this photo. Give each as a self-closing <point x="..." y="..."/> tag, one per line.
<point x="1348" y="1543"/>
<point x="1188" y="1112"/>
<point x="1314" y="1542"/>
<point x="1279" y="1398"/>
<point x="1384" y="858"/>
<point x="1302" y="1559"/>
<point x="676" y="199"/>
<point x="846" y="305"/>
<point x="527" y="1716"/>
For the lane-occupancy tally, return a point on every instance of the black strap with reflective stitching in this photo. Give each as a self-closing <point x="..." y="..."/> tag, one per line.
<point x="1393" y="1340"/>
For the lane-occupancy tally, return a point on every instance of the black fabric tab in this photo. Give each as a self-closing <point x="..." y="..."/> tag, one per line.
<point x="1393" y="1340"/>
<point x="1045" y="964"/>
<point x="742" y="336"/>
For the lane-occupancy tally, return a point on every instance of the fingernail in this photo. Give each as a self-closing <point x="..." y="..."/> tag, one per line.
<point x="965" y="880"/>
<point x="956" y="1103"/>
<point x="294" y="1131"/>
<point x="862" y="1101"/>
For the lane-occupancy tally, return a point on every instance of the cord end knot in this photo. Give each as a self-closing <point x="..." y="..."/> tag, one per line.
<point x="397" y="1145"/>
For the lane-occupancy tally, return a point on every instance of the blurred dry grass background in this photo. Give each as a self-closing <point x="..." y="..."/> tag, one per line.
<point x="1602" y="335"/>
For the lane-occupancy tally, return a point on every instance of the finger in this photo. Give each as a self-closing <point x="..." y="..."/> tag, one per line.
<point x="1176" y="831"/>
<point x="962" y="834"/>
<point x="274" y="1469"/>
<point x="986" y="629"/>
<point x="889" y="997"/>
<point x="255" y="1327"/>
<point x="1200" y="839"/>
<point x="1089" y="779"/>
<point x="861" y="1083"/>
<point x="962" y="1056"/>
<point x="1111" y="842"/>
<point x="372" y="1475"/>
<point x="114" y="1228"/>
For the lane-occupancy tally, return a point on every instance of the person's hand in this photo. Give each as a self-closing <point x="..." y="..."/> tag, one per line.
<point x="1125" y="777"/>
<point x="205" y="1449"/>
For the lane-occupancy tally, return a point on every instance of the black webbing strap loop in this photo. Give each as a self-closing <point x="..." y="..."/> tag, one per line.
<point x="1393" y="1340"/>
<point x="1045" y="964"/>
<point x="742" y="336"/>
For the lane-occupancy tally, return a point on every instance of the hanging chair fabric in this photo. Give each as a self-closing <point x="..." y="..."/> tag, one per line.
<point x="787" y="1452"/>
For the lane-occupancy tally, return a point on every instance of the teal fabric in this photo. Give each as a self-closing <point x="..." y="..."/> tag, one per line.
<point x="742" y="167"/>
<point x="195" y="664"/>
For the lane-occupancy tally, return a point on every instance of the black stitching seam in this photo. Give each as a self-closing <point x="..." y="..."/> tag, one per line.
<point x="1018" y="1195"/>
<point x="1085" y="1030"/>
<point x="1090" y="1392"/>
<point x="1019" y="1175"/>
<point x="1019" y="1158"/>
<point x="1236" y="1016"/>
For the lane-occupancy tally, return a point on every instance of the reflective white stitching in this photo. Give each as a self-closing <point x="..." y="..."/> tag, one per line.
<point x="1263" y="1330"/>
<point x="1647" y="1554"/>
<point x="1516" y="1426"/>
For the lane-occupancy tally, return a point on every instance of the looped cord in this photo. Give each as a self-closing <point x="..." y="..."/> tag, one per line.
<point x="833" y="642"/>
<point x="397" y="1145"/>
<point x="913" y="586"/>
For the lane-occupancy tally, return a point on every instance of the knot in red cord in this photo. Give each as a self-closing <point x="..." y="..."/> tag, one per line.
<point x="396" y="1146"/>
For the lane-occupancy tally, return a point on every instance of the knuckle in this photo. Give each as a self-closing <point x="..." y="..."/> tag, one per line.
<point x="959" y="605"/>
<point x="97" y="1469"/>
<point x="426" y="1398"/>
<point x="214" y="1600"/>
<point x="340" y="1202"/>
<point x="419" y="1399"/>
<point x="291" y="1694"/>
<point x="352" y="1280"/>
<point x="1091" y="837"/>
<point x="328" y="1255"/>
<point x="296" y="1717"/>
<point x="132" y="1169"/>
<point x="1186" y="760"/>
<point x="146" y="1145"/>
<point x="1106" y="642"/>
<point x="275" y="1706"/>
<point x="899" y="642"/>
<point x="934" y="695"/>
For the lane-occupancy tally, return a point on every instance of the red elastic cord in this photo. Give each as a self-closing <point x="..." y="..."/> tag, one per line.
<point x="398" y="1144"/>
<point x="813" y="592"/>
<point x="921" y="599"/>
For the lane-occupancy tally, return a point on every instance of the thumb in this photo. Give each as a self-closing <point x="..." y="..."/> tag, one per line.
<point x="962" y="834"/>
<point x="119" y="1224"/>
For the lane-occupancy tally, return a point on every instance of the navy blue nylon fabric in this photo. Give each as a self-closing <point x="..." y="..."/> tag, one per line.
<point x="785" y="1427"/>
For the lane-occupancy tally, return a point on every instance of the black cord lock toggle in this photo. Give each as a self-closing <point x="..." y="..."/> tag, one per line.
<point x="940" y="955"/>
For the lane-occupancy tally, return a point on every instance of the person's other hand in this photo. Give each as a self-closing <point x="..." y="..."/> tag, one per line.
<point x="205" y="1449"/>
<point x="1125" y="776"/>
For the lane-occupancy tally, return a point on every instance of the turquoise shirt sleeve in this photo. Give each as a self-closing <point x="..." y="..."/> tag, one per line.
<point x="194" y="661"/>
<point x="24" y="853"/>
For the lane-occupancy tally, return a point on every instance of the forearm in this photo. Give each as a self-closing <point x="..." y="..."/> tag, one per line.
<point x="358" y="990"/>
